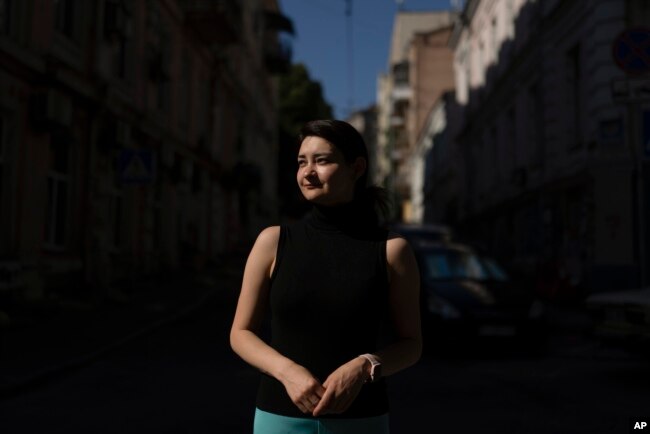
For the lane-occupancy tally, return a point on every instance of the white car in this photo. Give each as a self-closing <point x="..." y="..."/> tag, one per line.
<point x="621" y="315"/>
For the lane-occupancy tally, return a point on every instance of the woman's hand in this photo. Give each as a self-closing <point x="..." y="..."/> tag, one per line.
<point x="303" y="388"/>
<point x="342" y="387"/>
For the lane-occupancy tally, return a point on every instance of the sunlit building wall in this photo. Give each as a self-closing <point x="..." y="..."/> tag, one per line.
<point x="417" y="75"/>
<point x="548" y="168"/>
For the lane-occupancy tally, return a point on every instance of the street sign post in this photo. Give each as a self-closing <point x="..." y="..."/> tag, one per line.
<point x="645" y="133"/>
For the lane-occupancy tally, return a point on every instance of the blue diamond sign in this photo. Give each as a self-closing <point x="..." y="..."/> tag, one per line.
<point x="631" y="51"/>
<point x="135" y="166"/>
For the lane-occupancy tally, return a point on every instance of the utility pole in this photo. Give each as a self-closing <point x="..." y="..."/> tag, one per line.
<point x="350" y="54"/>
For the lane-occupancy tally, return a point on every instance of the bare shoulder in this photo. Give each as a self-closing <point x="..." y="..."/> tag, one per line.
<point x="269" y="237"/>
<point x="266" y="243"/>
<point x="262" y="255"/>
<point x="396" y="246"/>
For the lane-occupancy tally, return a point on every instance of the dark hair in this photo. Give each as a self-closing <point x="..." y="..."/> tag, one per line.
<point x="351" y="144"/>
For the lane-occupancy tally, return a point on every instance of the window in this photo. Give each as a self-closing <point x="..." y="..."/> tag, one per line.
<point x="495" y="158"/>
<point x="5" y="14"/>
<point x="58" y="180"/>
<point x="158" y="58"/>
<point x="494" y="40"/>
<point x="115" y="215"/>
<point x="535" y="128"/>
<point x="401" y="73"/>
<point x="157" y="213"/>
<point x="118" y="25"/>
<point x="159" y="72"/>
<point x="511" y="139"/>
<point x="115" y="206"/>
<point x="510" y="18"/>
<point x="454" y="265"/>
<point x="65" y="17"/>
<point x="3" y="163"/>
<point x="186" y="92"/>
<point x="574" y="97"/>
<point x="205" y="113"/>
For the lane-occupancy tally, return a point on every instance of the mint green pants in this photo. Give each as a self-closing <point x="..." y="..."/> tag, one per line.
<point x="269" y="423"/>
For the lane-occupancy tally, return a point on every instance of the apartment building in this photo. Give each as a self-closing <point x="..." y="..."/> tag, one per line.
<point x="136" y="136"/>
<point x="419" y="72"/>
<point x="548" y="160"/>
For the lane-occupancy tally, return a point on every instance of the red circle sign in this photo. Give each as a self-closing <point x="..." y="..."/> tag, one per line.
<point x="631" y="50"/>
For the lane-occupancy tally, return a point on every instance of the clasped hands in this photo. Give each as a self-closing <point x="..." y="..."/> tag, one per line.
<point x="334" y="395"/>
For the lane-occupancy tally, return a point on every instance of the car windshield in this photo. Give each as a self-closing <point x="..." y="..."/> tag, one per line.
<point x="454" y="264"/>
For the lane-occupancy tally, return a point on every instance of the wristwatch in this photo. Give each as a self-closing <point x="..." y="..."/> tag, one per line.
<point x="375" y="366"/>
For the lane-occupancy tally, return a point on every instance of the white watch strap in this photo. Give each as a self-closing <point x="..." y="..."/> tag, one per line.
<point x="374" y="362"/>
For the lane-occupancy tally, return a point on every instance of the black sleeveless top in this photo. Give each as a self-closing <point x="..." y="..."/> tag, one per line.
<point x="329" y="303"/>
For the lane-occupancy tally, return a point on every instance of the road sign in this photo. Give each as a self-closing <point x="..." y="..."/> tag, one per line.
<point x="633" y="89"/>
<point x="135" y="166"/>
<point x="631" y="51"/>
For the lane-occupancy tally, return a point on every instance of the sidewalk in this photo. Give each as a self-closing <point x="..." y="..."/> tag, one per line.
<point x="66" y="335"/>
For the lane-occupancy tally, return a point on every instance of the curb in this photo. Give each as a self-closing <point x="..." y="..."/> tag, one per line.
<point x="25" y="384"/>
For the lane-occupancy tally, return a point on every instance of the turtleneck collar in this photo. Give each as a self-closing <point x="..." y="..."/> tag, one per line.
<point x="348" y="217"/>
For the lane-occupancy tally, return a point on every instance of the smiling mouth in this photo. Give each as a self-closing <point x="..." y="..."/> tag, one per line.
<point x="310" y="186"/>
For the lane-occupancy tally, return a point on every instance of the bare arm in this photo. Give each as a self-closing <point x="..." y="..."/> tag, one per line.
<point x="404" y="294"/>
<point x="302" y="387"/>
<point x="344" y="384"/>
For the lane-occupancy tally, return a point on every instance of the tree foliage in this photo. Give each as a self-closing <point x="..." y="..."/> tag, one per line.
<point x="301" y="100"/>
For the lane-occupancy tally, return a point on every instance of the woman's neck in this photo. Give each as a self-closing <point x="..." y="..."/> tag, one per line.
<point x="345" y="217"/>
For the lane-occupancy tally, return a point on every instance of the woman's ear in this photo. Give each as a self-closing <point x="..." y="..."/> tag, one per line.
<point x="359" y="167"/>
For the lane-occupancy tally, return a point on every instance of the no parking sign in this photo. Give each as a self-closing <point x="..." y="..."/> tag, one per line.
<point x="631" y="51"/>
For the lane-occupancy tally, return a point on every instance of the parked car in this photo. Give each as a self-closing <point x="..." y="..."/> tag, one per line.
<point x="469" y="295"/>
<point x="622" y="317"/>
<point x="419" y="232"/>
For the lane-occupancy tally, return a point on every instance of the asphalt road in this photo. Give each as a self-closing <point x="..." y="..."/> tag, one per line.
<point x="184" y="379"/>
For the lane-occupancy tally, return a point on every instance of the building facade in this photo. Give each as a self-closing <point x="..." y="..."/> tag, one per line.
<point x="137" y="136"/>
<point x="419" y="72"/>
<point x="549" y="161"/>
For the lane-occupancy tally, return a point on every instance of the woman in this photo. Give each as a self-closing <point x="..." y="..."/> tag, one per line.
<point x="332" y="282"/>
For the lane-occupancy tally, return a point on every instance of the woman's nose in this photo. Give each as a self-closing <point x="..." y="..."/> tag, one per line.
<point x="308" y="170"/>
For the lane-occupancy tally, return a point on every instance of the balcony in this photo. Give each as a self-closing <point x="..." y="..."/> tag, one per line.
<point x="401" y="92"/>
<point x="215" y="21"/>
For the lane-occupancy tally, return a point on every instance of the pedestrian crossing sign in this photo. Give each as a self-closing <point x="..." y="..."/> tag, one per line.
<point x="136" y="166"/>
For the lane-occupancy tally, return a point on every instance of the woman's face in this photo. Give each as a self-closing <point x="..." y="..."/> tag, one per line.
<point x="324" y="177"/>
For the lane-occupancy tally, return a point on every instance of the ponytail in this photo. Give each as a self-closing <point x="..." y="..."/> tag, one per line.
<point x="375" y="199"/>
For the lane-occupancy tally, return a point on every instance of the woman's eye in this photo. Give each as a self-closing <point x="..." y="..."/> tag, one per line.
<point x="322" y="161"/>
<point x="301" y="163"/>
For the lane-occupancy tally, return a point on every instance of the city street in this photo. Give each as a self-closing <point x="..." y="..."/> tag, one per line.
<point x="183" y="378"/>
